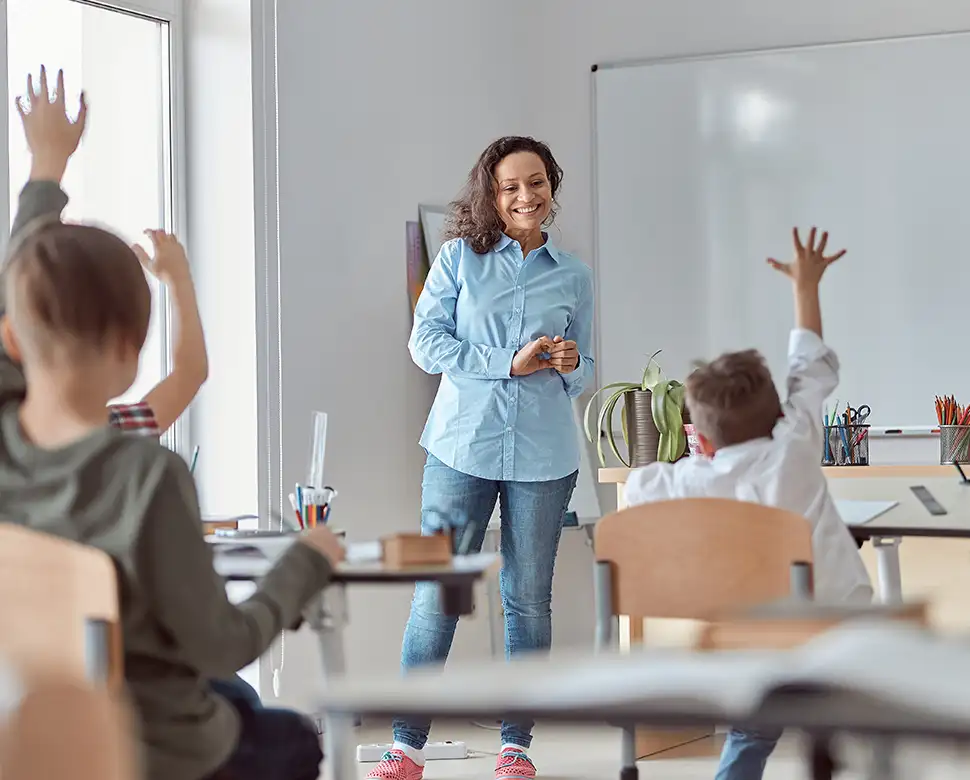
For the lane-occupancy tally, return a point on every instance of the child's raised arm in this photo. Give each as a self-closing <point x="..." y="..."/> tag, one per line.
<point x="813" y="368"/>
<point x="52" y="137"/>
<point x="190" y="361"/>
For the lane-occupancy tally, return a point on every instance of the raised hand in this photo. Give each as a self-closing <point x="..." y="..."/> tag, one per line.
<point x="563" y="355"/>
<point x="529" y="359"/>
<point x="169" y="264"/>
<point x="810" y="260"/>
<point x="51" y="135"/>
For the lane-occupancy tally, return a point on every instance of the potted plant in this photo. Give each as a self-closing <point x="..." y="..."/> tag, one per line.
<point x="651" y="418"/>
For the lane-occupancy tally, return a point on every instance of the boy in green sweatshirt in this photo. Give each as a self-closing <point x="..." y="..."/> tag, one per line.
<point x="77" y="310"/>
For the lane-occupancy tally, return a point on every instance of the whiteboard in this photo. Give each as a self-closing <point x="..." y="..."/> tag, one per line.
<point x="704" y="165"/>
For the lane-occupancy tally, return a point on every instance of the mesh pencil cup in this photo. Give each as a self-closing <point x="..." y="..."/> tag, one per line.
<point x="845" y="445"/>
<point x="954" y="444"/>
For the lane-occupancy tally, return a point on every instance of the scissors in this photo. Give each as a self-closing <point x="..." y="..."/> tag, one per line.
<point x="860" y="415"/>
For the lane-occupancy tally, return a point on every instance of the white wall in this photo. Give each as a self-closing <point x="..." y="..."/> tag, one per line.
<point x="384" y="105"/>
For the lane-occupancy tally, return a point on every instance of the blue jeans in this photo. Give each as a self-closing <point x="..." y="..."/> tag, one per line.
<point x="746" y="753"/>
<point x="275" y="744"/>
<point x="532" y="518"/>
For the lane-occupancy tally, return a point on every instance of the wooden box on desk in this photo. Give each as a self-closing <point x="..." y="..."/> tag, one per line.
<point x="403" y="550"/>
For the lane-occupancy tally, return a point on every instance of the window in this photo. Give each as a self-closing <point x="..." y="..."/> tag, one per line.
<point x="124" y="174"/>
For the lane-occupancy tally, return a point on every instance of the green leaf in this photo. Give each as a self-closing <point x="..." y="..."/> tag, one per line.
<point x="653" y="373"/>
<point x="589" y="407"/>
<point x="672" y="437"/>
<point x="657" y="403"/>
<point x="612" y="440"/>
<point x="605" y="423"/>
<point x="678" y="392"/>
<point x="625" y="427"/>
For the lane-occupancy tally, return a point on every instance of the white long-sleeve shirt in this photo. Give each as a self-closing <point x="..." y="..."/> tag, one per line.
<point x="783" y="471"/>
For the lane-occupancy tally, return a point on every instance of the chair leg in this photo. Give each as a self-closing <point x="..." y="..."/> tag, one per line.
<point x="628" y="754"/>
<point x="822" y="763"/>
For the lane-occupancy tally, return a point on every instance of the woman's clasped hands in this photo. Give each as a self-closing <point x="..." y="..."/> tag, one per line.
<point x="544" y="352"/>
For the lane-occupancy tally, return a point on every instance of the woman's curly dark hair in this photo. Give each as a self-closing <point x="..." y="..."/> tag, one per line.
<point x="473" y="215"/>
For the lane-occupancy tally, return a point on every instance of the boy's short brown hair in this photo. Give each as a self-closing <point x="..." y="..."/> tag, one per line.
<point x="76" y="287"/>
<point x="733" y="399"/>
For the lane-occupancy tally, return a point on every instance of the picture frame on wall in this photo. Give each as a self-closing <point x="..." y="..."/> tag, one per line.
<point x="417" y="262"/>
<point x="424" y="240"/>
<point x="433" y="228"/>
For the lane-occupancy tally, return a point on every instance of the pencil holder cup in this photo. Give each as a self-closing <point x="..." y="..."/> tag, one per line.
<point x="954" y="444"/>
<point x="845" y="445"/>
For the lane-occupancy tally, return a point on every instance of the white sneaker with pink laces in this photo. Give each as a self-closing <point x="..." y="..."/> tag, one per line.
<point x="514" y="764"/>
<point x="396" y="765"/>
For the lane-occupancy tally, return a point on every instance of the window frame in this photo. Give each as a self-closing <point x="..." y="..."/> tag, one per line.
<point x="170" y="12"/>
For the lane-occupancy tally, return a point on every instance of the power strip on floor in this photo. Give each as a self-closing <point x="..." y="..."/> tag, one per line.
<point x="433" y="751"/>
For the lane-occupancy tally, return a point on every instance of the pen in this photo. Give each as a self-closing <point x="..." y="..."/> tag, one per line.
<point x="195" y="459"/>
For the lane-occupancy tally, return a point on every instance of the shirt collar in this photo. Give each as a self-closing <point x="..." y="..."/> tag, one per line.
<point x="736" y="452"/>
<point x="551" y="249"/>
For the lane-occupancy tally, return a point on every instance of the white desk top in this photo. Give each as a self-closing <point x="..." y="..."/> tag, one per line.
<point x="919" y="676"/>
<point x="918" y="687"/>
<point x="910" y="517"/>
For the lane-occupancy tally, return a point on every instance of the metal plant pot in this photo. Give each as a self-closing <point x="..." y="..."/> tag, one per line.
<point x="642" y="435"/>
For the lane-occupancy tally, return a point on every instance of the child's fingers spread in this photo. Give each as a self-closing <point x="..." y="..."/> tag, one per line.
<point x="141" y="254"/>
<point x="82" y="114"/>
<point x="837" y="256"/>
<point x="811" y="240"/>
<point x="798" y="240"/>
<point x="822" y="244"/>
<point x="59" y="96"/>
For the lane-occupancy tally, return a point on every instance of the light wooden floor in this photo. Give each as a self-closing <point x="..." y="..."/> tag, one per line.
<point x="593" y="754"/>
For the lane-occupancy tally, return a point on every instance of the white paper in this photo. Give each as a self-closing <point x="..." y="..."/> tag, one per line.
<point x="364" y="552"/>
<point x="861" y="512"/>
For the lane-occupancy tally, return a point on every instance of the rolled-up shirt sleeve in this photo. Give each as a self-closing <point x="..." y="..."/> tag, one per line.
<point x="813" y="375"/>
<point x="580" y="330"/>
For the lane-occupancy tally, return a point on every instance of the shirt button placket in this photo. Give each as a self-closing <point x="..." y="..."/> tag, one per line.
<point x="518" y="305"/>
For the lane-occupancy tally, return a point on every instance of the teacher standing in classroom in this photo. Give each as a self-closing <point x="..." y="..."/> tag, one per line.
<point x="506" y="318"/>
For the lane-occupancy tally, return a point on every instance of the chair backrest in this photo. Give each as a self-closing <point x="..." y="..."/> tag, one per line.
<point x="62" y="728"/>
<point x="59" y="610"/>
<point x="694" y="558"/>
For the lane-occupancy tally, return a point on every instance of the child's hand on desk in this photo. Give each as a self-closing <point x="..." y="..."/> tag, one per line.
<point x="325" y="542"/>
<point x="810" y="260"/>
<point x="51" y="135"/>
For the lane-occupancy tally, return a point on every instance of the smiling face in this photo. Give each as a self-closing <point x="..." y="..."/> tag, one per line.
<point x="523" y="193"/>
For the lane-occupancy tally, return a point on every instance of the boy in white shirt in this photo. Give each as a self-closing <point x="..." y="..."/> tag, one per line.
<point x="761" y="451"/>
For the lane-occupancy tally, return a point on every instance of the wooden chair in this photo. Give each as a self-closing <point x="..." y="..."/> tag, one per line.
<point x="59" y="610"/>
<point x="690" y="559"/>
<point x="63" y="728"/>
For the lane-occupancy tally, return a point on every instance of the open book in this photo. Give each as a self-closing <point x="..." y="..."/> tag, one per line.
<point x="893" y="664"/>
